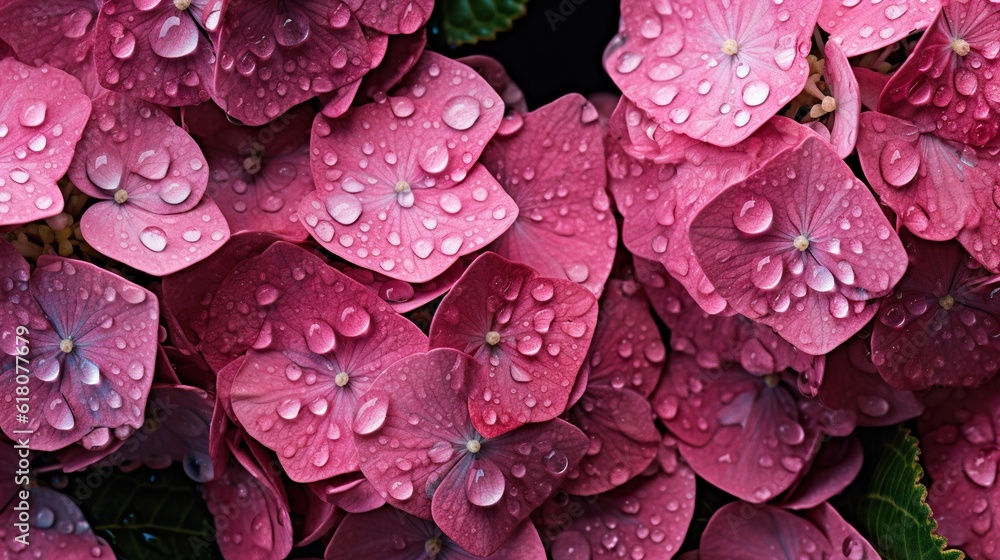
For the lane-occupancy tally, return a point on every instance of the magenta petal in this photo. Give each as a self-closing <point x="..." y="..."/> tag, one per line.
<point x="649" y="515"/>
<point x="112" y="325"/>
<point x="350" y="492"/>
<point x="709" y="70"/>
<point x="404" y="296"/>
<point x="553" y="169"/>
<point x="402" y="53"/>
<point x="365" y="536"/>
<point x="858" y="385"/>
<point x="59" y="33"/>
<point x="870" y="85"/>
<point x="57" y="530"/>
<point x="392" y="16"/>
<point x="844" y="87"/>
<point x="253" y="521"/>
<point x="156" y="244"/>
<point x="840" y="533"/>
<point x="260" y="43"/>
<point x="939" y="326"/>
<point x="493" y="72"/>
<point x="864" y="27"/>
<point x="542" y="329"/>
<point x="155" y="51"/>
<point x="43" y="115"/>
<point x="742" y="531"/>
<point x="624" y="366"/>
<point x="959" y="439"/>
<point x="803" y="260"/>
<point x="830" y="472"/>
<point x="947" y="85"/>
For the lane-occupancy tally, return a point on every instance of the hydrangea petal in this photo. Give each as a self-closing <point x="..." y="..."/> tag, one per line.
<point x="798" y="258"/>
<point x="404" y="296"/>
<point x="41" y="119"/>
<point x="711" y="70"/>
<point x="832" y="469"/>
<point x="57" y="529"/>
<point x="862" y="27"/>
<point x="540" y="330"/>
<point x="260" y="43"/>
<point x="553" y="169"/>
<point x="350" y="492"/>
<point x="393" y="17"/>
<point x="844" y="86"/>
<point x="59" y="33"/>
<point x="941" y="324"/>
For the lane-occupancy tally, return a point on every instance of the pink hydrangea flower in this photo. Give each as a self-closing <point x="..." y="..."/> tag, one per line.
<point x="92" y="345"/>
<point x="960" y="440"/>
<point x="624" y="365"/>
<point x="41" y="119"/>
<point x="861" y="26"/>
<point x="741" y="531"/>
<point x="941" y="323"/>
<point x="367" y="535"/>
<point x="58" y="33"/>
<point x="419" y="448"/>
<point x="259" y="175"/>
<point x="800" y="245"/>
<point x="158" y="50"/>
<point x="318" y="342"/>
<point x="940" y="189"/>
<point x="948" y="85"/>
<point x="752" y="436"/>
<point x="714" y="70"/>
<point x="659" y="200"/>
<point x="529" y="336"/>
<point x="553" y="168"/>
<point x="399" y="190"/>
<point x="647" y="517"/>
<point x="52" y="514"/>
<point x="150" y="177"/>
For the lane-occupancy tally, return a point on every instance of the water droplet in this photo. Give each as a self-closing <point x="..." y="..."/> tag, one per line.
<point x="401" y="489"/>
<point x="291" y="29"/>
<point x="320" y="338"/>
<point x="556" y="462"/>
<point x="461" y="112"/>
<point x="754" y="216"/>
<point x="767" y="274"/>
<point x="153" y="238"/>
<point x="370" y="415"/>
<point x="175" y="35"/>
<point x="33" y="114"/>
<point x="755" y="93"/>
<point x="345" y="208"/>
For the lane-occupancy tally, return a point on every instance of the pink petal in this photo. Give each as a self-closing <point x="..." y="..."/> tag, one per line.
<point x="493" y="72"/>
<point x="674" y="63"/>
<point x="156" y="244"/>
<point x="393" y="16"/>
<point x="553" y="169"/>
<point x="814" y="297"/>
<point x="544" y="325"/>
<point x="952" y="94"/>
<point x="259" y="44"/>
<point x="43" y="116"/>
<point x="112" y="324"/>
<point x="365" y="536"/>
<point x="844" y="87"/>
<point x="402" y="54"/>
<point x="864" y="27"/>
<point x="841" y="535"/>
<point x="350" y="492"/>
<point x="871" y="84"/>
<point x="404" y="296"/>
<point x="57" y="530"/>
<point x="742" y="531"/>
<point x="830" y="472"/>
<point x="59" y="33"/>
<point x="314" y="518"/>
<point x="155" y="51"/>
<point x="940" y="324"/>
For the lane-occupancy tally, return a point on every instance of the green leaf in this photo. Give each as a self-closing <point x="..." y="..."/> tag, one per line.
<point x="146" y="514"/>
<point x="468" y="21"/>
<point x="895" y="510"/>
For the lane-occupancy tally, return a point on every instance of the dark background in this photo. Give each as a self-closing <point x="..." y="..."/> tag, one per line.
<point x="548" y="63"/>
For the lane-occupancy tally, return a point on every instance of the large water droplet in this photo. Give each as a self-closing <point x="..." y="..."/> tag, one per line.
<point x="345" y="208"/>
<point x="176" y="35"/>
<point x="198" y="466"/>
<point x="33" y="113"/>
<point x="289" y="408"/>
<point x="320" y="338"/>
<point x="755" y="93"/>
<point x="767" y="274"/>
<point x="461" y="112"/>
<point x="153" y="238"/>
<point x="291" y="29"/>
<point x="484" y="485"/>
<point x="556" y="462"/>
<point x="370" y="415"/>
<point x="754" y="216"/>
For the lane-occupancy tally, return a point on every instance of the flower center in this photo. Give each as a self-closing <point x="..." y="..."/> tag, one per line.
<point x="946" y="302"/>
<point x="730" y="47"/>
<point x="252" y="163"/>
<point x="66" y="345"/>
<point x="829" y="104"/>
<point x="342" y="379"/>
<point x="433" y="546"/>
<point x="960" y="46"/>
<point x="182" y="4"/>
<point x="121" y="195"/>
<point x="801" y="243"/>
<point x="493" y="338"/>
<point x="473" y="446"/>
<point x="402" y="186"/>
<point x="771" y="380"/>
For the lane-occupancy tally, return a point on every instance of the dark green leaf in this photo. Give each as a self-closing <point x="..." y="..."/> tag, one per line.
<point x="146" y="514"/>
<point x="895" y="511"/>
<point x="468" y="21"/>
